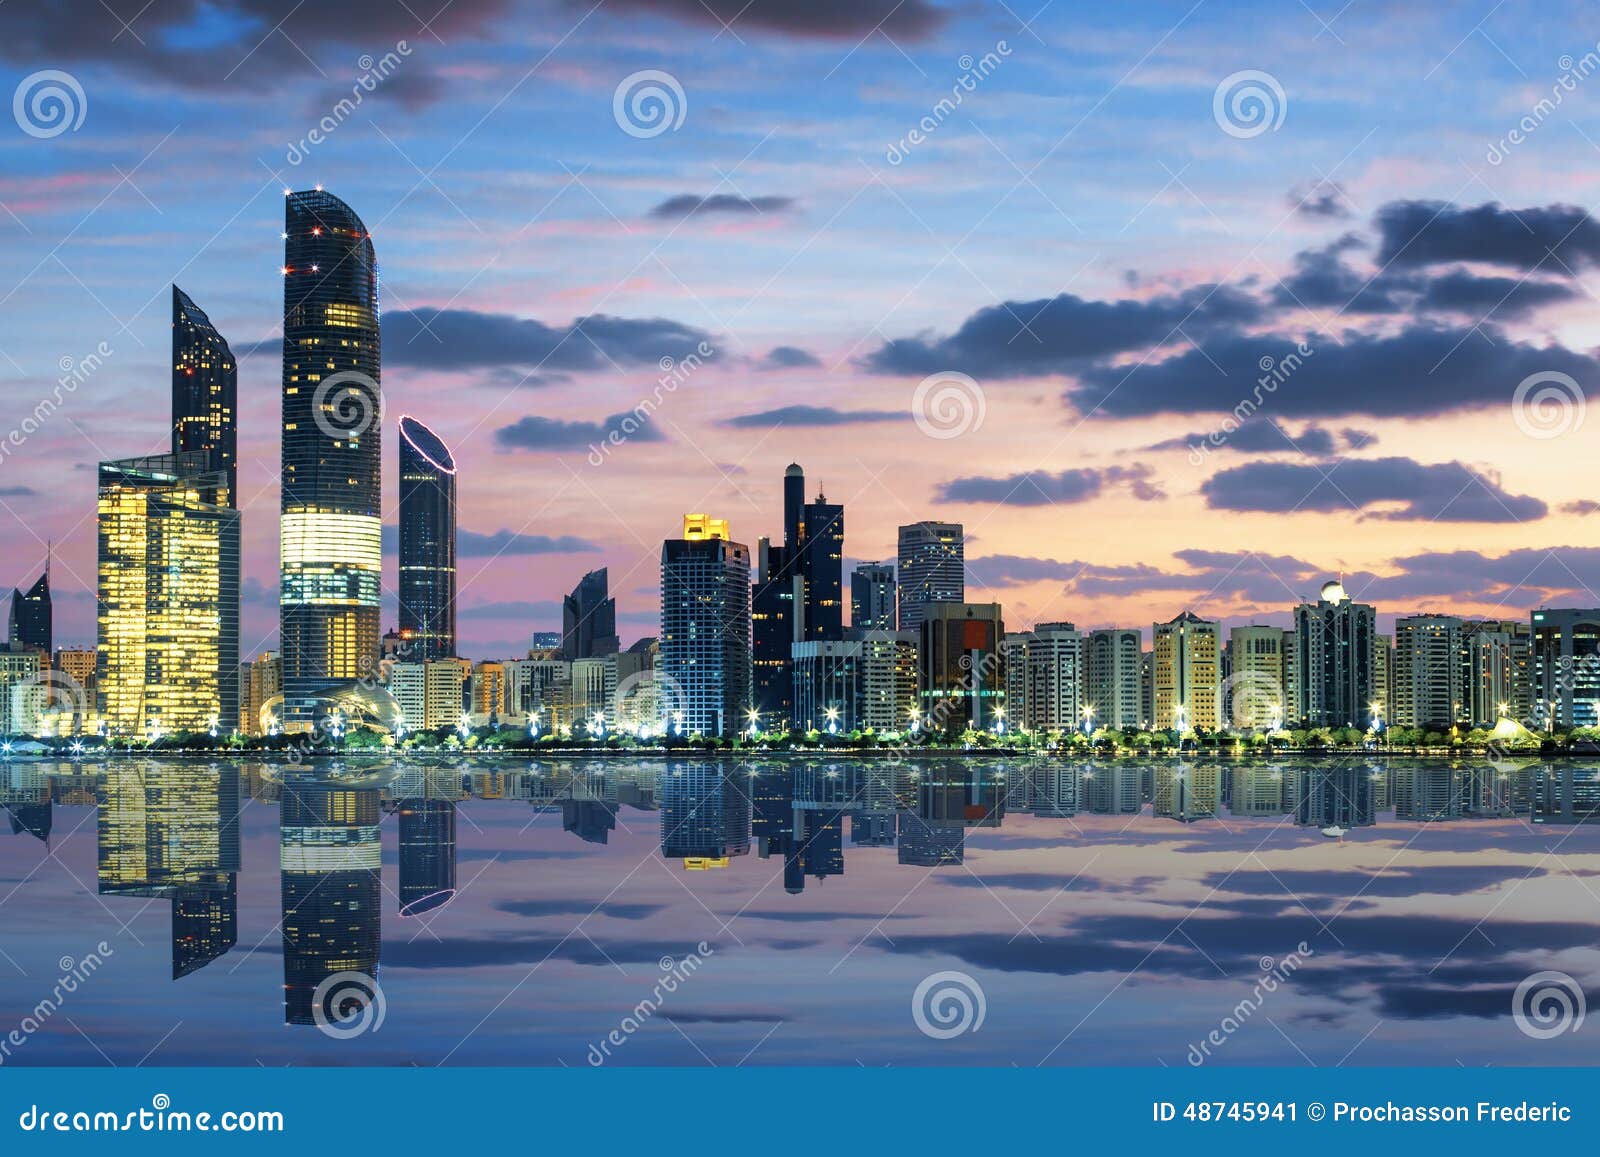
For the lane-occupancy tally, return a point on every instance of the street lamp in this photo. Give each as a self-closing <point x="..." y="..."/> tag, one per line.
<point x="1088" y="718"/>
<point x="833" y="721"/>
<point x="999" y="720"/>
<point x="755" y="722"/>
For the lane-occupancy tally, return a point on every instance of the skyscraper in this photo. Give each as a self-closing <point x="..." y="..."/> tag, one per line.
<point x="31" y="623"/>
<point x="427" y="546"/>
<point x="932" y="568"/>
<point x="1427" y="671"/>
<point x="1332" y="657"/>
<point x="331" y="530"/>
<point x="773" y="604"/>
<point x="820" y="557"/>
<point x="1566" y="667"/>
<point x="872" y="597"/>
<point x="961" y="681"/>
<point x="1044" y="678"/>
<point x="168" y="624"/>
<point x="1111" y="687"/>
<point x="704" y="661"/>
<point x="205" y="391"/>
<point x="1254" y="697"/>
<point x="1185" y="674"/>
<point x="589" y="619"/>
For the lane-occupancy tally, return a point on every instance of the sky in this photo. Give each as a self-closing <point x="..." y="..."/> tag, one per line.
<point x="1005" y="264"/>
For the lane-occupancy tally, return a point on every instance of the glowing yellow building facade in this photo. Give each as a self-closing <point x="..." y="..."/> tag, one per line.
<point x="168" y="628"/>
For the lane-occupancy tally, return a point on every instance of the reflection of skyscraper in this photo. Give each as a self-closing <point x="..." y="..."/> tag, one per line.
<point x="205" y="922"/>
<point x="1334" y="796"/>
<point x="204" y="391"/>
<point x="589" y="619"/>
<point x="427" y="855"/>
<point x="705" y="814"/>
<point x="330" y="855"/>
<point x="1187" y="792"/>
<point x="427" y="543"/>
<point x="331" y="535"/>
<point x="31" y="621"/>
<point x="930" y="844"/>
<point x="932" y="568"/>
<point x="705" y="627"/>
<point x="168" y="596"/>
<point x="772" y="806"/>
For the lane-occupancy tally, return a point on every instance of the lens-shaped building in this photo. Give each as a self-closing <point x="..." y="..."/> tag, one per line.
<point x="331" y="530"/>
<point x="427" y="544"/>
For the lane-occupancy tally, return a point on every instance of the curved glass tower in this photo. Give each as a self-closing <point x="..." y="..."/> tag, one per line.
<point x="205" y="389"/>
<point x="427" y="543"/>
<point x="331" y="533"/>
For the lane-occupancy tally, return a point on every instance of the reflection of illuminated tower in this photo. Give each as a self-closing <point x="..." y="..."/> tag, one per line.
<point x="205" y="922"/>
<point x="1187" y="792"/>
<point x="329" y="852"/>
<point x="427" y="855"/>
<point x="1334" y="797"/>
<point x="330" y="534"/>
<point x="705" y="814"/>
<point x="427" y="544"/>
<point x="772" y="806"/>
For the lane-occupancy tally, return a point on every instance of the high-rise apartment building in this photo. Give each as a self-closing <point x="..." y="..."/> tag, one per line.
<point x="1427" y="671"/>
<point x="1333" y="659"/>
<point x="1111" y="678"/>
<point x="1044" y="678"/>
<point x="1254" y="699"/>
<point x="1186" y="673"/>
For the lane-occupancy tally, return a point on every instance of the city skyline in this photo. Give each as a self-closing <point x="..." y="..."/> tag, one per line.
<point x="1428" y="268"/>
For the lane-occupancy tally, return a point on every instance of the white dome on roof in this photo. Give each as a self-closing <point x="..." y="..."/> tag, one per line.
<point x="1333" y="592"/>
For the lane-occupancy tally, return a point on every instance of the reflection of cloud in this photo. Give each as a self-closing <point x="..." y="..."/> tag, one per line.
<point x="616" y="911"/>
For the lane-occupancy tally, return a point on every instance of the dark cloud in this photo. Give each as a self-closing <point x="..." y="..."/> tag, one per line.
<point x="725" y="204"/>
<point x="1420" y="371"/>
<point x="814" y="416"/>
<point x="1435" y="492"/>
<point x="539" y="433"/>
<point x="475" y="544"/>
<point x="1264" y="436"/>
<point x="903" y="20"/>
<point x="1042" y="488"/>
<point x="1581" y="507"/>
<point x="788" y="357"/>
<point x="466" y="952"/>
<point x="726" y="1016"/>
<point x="1064" y="333"/>
<point x="1321" y="278"/>
<point x="1002" y="570"/>
<point x="1554" y="238"/>
<point x="617" y="911"/>
<point x="1321" y="199"/>
<point x="460" y="339"/>
<point x="1437" y="880"/>
<point x="226" y="44"/>
<point x="17" y="491"/>
<point x="1461" y="292"/>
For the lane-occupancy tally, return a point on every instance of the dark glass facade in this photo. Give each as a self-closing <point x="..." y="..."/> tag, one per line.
<point x="589" y="619"/>
<point x="427" y="544"/>
<point x="31" y="621"/>
<point x="205" y="391"/>
<point x="331" y="533"/>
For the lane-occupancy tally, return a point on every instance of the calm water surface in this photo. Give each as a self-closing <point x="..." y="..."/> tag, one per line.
<point x="521" y="916"/>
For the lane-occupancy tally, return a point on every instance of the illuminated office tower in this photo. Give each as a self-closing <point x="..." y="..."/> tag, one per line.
<point x="331" y="530"/>
<point x="1044" y="678"/>
<point x="427" y="544"/>
<point x="933" y="568"/>
<point x="330" y="855"/>
<point x="705" y="629"/>
<point x="31" y="624"/>
<point x="168" y="626"/>
<point x="872" y="597"/>
<point x="205" y="391"/>
<point x="1254" y="699"/>
<point x="1185" y="674"/>
<point x="1383" y="676"/>
<point x="1111" y="678"/>
<point x="589" y="619"/>
<point x="1566" y="667"/>
<point x="1332" y="659"/>
<point x="1427" y="672"/>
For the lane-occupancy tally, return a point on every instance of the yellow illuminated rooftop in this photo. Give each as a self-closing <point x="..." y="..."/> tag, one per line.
<point x="697" y="526"/>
